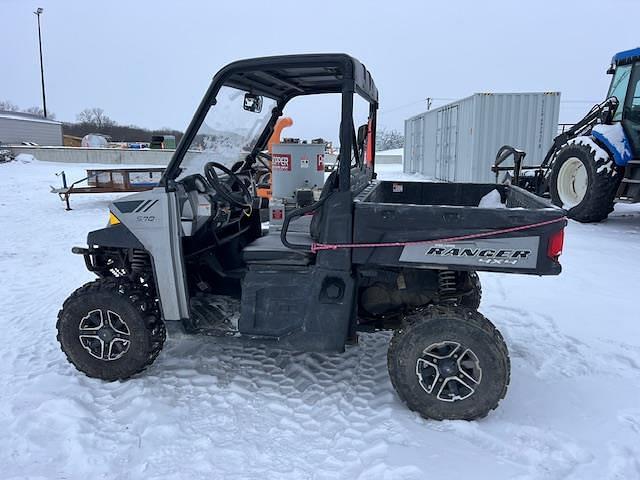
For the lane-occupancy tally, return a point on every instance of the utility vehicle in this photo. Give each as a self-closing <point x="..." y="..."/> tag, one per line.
<point x="596" y="162"/>
<point x="365" y="255"/>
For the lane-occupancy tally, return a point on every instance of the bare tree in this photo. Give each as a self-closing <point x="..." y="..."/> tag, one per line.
<point x="8" y="106"/>
<point x="389" y="139"/>
<point x="96" y="117"/>
<point x="40" y="112"/>
<point x="85" y="116"/>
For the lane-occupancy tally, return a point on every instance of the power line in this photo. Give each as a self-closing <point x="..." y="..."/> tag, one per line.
<point x="423" y="100"/>
<point x="581" y="101"/>
<point x="427" y="101"/>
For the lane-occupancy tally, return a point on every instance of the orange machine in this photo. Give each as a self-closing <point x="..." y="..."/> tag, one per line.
<point x="281" y="124"/>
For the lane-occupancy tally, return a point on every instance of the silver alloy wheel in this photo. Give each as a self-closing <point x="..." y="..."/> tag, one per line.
<point x="572" y="182"/>
<point x="448" y="371"/>
<point x="104" y="335"/>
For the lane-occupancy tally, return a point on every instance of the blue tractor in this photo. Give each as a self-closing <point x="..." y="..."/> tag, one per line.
<point x="597" y="161"/>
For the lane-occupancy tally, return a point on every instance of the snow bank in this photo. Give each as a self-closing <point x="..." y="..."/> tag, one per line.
<point x="393" y="151"/>
<point x="25" y="158"/>
<point x="394" y="171"/>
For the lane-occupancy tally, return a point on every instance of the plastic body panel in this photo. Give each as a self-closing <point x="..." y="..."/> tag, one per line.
<point x="117" y="236"/>
<point x="306" y="308"/>
<point x="614" y="138"/>
<point x="153" y="219"/>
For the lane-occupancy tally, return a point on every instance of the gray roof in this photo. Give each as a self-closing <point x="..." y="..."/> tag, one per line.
<point x="26" y="117"/>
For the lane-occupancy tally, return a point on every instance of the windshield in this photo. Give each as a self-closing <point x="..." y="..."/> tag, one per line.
<point x="228" y="133"/>
<point x="618" y="88"/>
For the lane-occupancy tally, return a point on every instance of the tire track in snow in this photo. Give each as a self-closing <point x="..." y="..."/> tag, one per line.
<point x="235" y="410"/>
<point x="545" y="455"/>
<point x="535" y="339"/>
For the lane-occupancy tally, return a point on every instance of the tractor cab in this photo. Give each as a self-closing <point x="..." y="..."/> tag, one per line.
<point x="625" y="87"/>
<point x="621" y="140"/>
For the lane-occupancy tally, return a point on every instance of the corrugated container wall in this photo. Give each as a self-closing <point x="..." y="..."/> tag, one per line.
<point x="459" y="141"/>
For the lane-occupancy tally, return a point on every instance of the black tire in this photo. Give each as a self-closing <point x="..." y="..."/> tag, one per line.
<point x="124" y="303"/>
<point x="472" y="290"/>
<point x="440" y="325"/>
<point x="603" y="180"/>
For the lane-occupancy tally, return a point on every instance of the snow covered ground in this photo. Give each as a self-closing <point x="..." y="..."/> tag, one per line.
<point x="213" y="411"/>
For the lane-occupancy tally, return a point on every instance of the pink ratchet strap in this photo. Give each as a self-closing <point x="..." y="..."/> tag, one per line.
<point x="316" y="247"/>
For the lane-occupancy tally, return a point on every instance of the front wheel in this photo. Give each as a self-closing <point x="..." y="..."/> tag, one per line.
<point x="109" y="329"/>
<point x="584" y="182"/>
<point x="449" y="363"/>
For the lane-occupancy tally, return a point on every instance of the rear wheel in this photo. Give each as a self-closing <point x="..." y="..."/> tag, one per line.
<point x="584" y="184"/>
<point x="110" y="329"/>
<point x="449" y="363"/>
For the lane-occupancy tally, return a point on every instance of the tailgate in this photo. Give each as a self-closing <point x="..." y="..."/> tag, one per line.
<point x="439" y="225"/>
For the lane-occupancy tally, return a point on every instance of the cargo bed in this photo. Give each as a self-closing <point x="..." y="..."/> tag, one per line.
<point x="413" y="212"/>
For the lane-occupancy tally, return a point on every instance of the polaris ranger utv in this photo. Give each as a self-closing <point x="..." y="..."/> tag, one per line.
<point x="365" y="255"/>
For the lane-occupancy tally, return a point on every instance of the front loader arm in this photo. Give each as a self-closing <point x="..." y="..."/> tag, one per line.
<point x="601" y="113"/>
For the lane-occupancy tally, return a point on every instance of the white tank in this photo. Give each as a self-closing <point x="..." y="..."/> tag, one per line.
<point x="295" y="166"/>
<point x="94" y="140"/>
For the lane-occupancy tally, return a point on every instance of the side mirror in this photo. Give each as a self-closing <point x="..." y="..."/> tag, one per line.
<point x="363" y="131"/>
<point x="252" y="103"/>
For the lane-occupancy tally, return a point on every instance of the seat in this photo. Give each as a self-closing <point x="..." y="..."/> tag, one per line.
<point x="303" y="230"/>
<point x="270" y="250"/>
<point x="300" y="225"/>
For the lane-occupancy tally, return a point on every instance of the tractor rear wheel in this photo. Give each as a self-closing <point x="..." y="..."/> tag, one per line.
<point x="584" y="183"/>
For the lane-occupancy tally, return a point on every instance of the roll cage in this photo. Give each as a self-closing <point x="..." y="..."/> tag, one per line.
<point x="283" y="78"/>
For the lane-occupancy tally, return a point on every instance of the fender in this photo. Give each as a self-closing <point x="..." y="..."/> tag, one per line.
<point x="615" y="140"/>
<point x="117" y="236"/>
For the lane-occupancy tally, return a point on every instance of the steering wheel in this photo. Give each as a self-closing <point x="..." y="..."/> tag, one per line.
<point x="225" y="188"/>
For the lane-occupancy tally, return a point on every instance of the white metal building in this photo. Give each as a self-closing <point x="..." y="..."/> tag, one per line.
<point x="19" y="127"/>
<point x="459" y="141"/>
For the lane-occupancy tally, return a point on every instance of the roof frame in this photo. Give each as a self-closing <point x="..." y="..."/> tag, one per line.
<point x="290" y="76"/>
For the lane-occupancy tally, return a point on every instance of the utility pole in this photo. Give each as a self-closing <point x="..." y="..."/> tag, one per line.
<point x="37" y="13"/>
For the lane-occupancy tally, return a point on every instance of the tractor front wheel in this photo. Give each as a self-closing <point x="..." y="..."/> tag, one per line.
<point x="584" y="182"/>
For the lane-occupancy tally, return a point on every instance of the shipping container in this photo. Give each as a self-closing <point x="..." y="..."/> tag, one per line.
<point x="458" y="142"/>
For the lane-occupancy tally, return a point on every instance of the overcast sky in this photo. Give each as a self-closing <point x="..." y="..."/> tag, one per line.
<point x="149" y="62"/>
